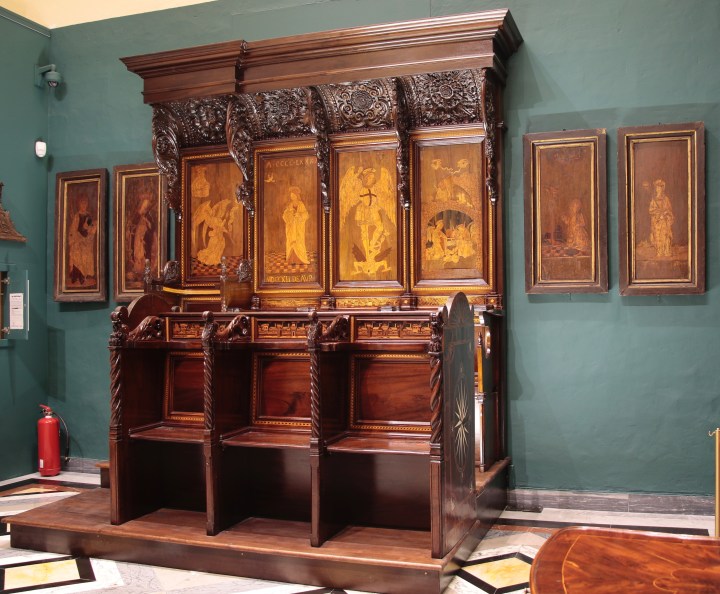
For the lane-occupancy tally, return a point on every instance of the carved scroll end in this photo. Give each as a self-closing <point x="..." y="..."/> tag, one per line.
<point x="237" y="329"/>
<point x="151" y="328"/>
<point x="171" y="273"/>
<point x="120" y="329"/>
<point x="314" y="330"/>
<point x="209" y="330"/>
<point x="337" y="331"/>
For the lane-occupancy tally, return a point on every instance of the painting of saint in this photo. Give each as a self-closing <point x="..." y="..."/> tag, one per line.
<point x="662" y="240"/>
<point x="216" y="223"/>
<point x="81" y="232"/>
<point x="139" y="228"/>
<point x="368" y="216"/>
<point x="564" y="215"/>
<point x="288" y="249"/>
<point x="80" y="218"/>
<point x="452" y="210"/>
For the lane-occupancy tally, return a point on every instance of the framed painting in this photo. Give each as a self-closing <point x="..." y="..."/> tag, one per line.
<point x="661" y="211"/>
<point x="565" y="212"/>
<point x="368" y="219"/>
<point x="139" y="228"/>
<point x="214" y="223"/>
<point x="80" y="243"/>
<point x="289" y="221"/>
<point x="450" y="213"/>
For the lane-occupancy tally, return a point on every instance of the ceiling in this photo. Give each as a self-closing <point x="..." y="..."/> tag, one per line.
<point x="61" y="13"/>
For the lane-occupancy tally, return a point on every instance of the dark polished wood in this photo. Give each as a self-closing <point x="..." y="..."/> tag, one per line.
<point x="607" y="561"/>
<point x="359" y="558"/>
<point x="476" y="40"/>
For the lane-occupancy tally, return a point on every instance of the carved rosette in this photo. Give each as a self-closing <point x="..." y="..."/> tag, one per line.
<point x="285" y="113"/>
<point x="489" y="99"/>
<point x="151" y="328"/>
<point x="365" y="105"/>
<point x="118" y="339"/>
<point x="243" y="125"/>
<point x="437" y="322"/>
<point x="320" y="128"/>
<point x="166" y="148"/>
<point x="443" y="98"/>
<point x="203" y="120"/>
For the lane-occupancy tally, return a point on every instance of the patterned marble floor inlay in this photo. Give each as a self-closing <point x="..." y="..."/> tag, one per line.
<point x="499" y="565"/>
<point x="30" y="575"/>
<point x="498" y="574"/>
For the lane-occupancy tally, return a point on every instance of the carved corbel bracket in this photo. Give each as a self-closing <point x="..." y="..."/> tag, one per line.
<point x="243" y="125"/>
<point x="489" y="116"/>
<point x="321" y="126"/>
<point x="181" y="124"/>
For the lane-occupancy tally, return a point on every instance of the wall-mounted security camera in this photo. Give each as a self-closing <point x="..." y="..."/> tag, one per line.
<point x="47" y="75"/>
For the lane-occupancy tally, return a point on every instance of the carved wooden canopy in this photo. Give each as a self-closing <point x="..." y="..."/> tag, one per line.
<point x="390" y="81"/>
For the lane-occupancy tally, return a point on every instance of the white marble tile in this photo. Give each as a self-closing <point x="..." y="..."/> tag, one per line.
<point x="65" y="477"/>
<point x="508" y="544"/>
<point x="580" y="517"/>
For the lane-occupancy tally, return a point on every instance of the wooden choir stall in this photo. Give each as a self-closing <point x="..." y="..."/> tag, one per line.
<point x="312" y="390"/>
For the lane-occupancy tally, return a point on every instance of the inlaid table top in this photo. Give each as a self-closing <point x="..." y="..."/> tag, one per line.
<point x="609" y="561"/>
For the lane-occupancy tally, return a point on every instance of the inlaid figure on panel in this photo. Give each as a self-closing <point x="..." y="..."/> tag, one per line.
<point x="368" y="219"/>
<point x="216" y="219"/>
<point x="451" y="211"/>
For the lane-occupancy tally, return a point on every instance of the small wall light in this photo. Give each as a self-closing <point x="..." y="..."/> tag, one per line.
<point x="47" y="75"/>
<point x="40" y="148"/>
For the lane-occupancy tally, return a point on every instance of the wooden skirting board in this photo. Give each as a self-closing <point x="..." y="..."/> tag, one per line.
<point x="358" y="558"/>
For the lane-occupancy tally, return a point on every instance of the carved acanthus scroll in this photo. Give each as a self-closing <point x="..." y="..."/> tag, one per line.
<point x="241" y="128"/>
<point x="489" y="118"/>
<point x="364" y="105"/>
<point x="166" y="148"/>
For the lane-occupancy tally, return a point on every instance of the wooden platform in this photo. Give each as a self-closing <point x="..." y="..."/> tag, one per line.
<point x="608" y="561"/>
<point x="358" y="558"/>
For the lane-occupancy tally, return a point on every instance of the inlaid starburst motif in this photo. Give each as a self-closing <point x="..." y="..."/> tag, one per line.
<point x="461" y="426"/>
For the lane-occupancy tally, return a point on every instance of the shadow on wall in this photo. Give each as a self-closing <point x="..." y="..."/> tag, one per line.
<point x="57" y="360"/>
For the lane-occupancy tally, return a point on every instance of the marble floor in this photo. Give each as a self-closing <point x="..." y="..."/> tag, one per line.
<point x="499" y="565"/>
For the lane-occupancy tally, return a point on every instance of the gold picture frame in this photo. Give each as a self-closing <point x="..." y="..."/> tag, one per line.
<point x="661" y="209"/>
<point x="565" y="212"/>
<point x="139" y="228"/>
<point x="80" y="242"/>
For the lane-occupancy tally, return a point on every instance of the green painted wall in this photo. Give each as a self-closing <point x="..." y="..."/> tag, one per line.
<point x="604" y="393"/>
<point x="23" y="119"/>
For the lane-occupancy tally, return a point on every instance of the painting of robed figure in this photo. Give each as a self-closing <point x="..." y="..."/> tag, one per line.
<point x="288" y="250"/>
<point x="80" y="250"/>
<point x="140" y="228"/>
<point x="662" y="209"/>
<point x="565" y="212"/>
<point x="214" y="224"/>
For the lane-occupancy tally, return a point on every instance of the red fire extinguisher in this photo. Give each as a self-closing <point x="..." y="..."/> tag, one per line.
<point x="49" y="442"/>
